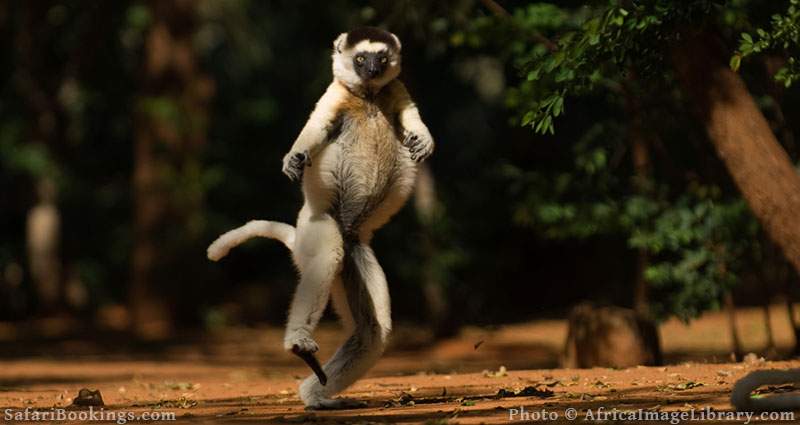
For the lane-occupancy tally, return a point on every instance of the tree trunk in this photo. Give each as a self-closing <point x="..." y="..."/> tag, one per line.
<point x="736" y="343"/>
<point x="793" y="322"/>
<point x="43" y="237"/>
<point x="604" y="336"/>
<point x="425" y="202"/>
<point x="34" y="80"/>
<point x="742" y="138"/>
<point x="150" y="316"/>
<point x="170" y="119"/>
<point x="641" y="184"/>
<point x="771" y="348"/>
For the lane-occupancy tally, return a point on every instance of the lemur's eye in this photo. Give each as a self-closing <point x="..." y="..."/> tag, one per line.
<point x="360" y="59"/>
<point x="384" y="60"/>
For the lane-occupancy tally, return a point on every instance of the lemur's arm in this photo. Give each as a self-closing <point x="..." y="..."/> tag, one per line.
<point x="417" y="138"/>
<point x="315" y="132"/>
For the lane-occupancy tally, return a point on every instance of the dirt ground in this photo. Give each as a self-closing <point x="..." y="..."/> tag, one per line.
<point x="242" y="375"/>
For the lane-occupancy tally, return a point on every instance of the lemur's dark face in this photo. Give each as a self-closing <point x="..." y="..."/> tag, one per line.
<point x="370" y="65"/>
<point x="366" y="57"/>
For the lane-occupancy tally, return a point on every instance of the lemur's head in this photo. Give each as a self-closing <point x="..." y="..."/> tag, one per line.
<point x="366" y="57"/>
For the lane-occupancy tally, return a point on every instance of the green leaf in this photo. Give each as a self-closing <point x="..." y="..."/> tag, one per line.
<point x="527" y="118"/>
<point x="564" y="74"/>
<point x="736" y="61"/>
<point x="558" y="106"/>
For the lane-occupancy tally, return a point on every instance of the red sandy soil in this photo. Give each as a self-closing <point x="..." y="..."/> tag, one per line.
<point x="242" y="375"/>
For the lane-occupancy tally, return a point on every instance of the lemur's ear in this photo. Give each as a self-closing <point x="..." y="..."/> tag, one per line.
<point x="397" y="40"/>
<point x="338" y="44"/>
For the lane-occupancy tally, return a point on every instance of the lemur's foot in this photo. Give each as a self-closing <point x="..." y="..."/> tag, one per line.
<point x="294" y="163"/>
<point x="420" y="145"/>
<point x="336" y="403"/>
<point x="300" y="342"/>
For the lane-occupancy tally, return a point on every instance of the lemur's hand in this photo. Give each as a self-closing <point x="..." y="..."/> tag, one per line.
<point x="419" y="144"/>
<point x="294" y="164"/>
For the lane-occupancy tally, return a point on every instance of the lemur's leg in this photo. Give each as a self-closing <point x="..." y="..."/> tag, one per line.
<point x="341" y="306"/>
<point x="368" y="299"/>
<point x="318" y="254"/>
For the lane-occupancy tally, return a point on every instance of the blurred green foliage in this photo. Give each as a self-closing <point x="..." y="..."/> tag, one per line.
<point x="783" y="35"/>
<point x="679" y="207"/>
<point x="69" y="97"/>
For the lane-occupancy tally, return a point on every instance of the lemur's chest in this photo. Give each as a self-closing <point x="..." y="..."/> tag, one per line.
<point x="369" y="137"/>
<point x="364" y="165"/>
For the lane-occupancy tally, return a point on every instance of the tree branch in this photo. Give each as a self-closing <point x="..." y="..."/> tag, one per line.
<point x="496" y="8"/>
<point x="501" y="12"/>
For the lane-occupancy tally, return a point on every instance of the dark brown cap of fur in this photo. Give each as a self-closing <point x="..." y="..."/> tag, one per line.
<point x="372" y="34"/>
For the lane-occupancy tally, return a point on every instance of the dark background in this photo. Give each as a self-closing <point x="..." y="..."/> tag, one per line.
<point x="159" y="125"/>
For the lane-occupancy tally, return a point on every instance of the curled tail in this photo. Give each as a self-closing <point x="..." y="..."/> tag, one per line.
<point x="262" y="228"/>
<point x="742" y="400"/>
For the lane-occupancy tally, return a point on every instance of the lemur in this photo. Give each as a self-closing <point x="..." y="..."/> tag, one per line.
<point x="742" y="400"/>
<point x="357" y="157"/>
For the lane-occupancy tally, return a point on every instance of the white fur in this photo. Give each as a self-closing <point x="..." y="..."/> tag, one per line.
<point x="408" y="113"/>
<point x="315" y="132"/>
<point x="265" y="229"/>
<point x="370" y="46"/>
<point x="316" y="242"/>
<point x="342" y="369"/>
<point x="318" y="255"/>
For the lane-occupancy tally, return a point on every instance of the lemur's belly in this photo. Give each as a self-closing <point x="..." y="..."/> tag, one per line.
<point x="366" y="173"/>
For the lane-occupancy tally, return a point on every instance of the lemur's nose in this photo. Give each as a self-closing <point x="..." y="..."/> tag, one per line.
<point x="373" y="71"/>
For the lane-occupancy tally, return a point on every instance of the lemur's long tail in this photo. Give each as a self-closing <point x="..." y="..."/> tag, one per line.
<point x="261" y="228"/>
<point x="742" y="400"/>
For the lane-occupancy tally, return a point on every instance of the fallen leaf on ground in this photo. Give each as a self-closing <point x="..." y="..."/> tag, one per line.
<point x="405" y="399"/>
<point x="529" y="391"/>
<point x="683" y="386"/>
<point x="181" y="403"/>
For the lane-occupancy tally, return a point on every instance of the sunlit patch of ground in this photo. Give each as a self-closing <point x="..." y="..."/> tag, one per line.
<point x="243" y="375"/>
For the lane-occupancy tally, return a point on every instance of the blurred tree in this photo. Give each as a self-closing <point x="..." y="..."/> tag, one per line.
<point x="35" y="85"/>
<point x="148" y="166"/>
<point x="691" y="226"/>
<point x="43" y="238"/>
<point x="37" y="124"/>
<point x="743" y="139"/>
<point x="422" y="26"/>
<point x="171" y="123"/>
<point x="91" y="62"/>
